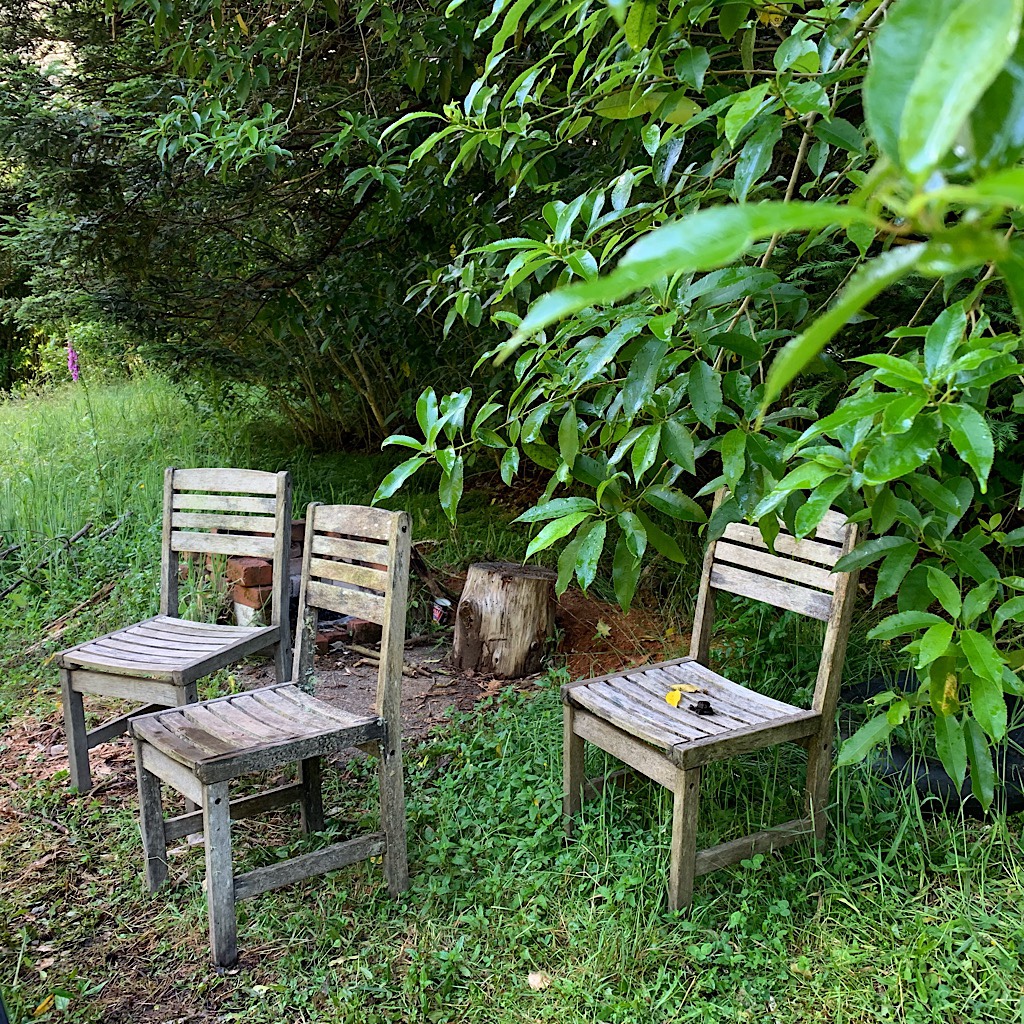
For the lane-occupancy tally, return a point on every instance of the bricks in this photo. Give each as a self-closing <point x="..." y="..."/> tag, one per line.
<point x="250" y="572"/>
<point x="349" y="630"/>
<point x="251" y="597"/>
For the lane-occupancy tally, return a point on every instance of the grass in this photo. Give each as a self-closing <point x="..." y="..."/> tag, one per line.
<point x="901" y="918"/>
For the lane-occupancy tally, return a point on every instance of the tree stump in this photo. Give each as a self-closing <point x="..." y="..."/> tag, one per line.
<point x="506" y="614"/>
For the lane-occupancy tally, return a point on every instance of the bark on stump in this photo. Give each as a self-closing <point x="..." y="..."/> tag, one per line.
<point x="506" y="614"/>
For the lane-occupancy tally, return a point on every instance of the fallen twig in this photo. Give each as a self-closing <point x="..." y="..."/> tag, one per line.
<point x="114" y="526"/>
<point x="49" y="558"/>
<point x="58" y="626"/>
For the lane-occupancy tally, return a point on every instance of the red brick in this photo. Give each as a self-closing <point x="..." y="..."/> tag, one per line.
<point x="362" y="632"/>
<point x="251" y="597"/>
<point x="250" y="571"/>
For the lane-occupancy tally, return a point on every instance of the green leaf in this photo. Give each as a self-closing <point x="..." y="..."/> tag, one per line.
<point x="839" y="132"/>
<point x="556" y="530"/>
<point x="397" y="477"/>
<point x="634" y="532"/>
<point x="734" y="446"/>
<point x="556" y="508"/>
<point x="567" y="560"/>
<point x="674" y="503"/>
<point x="988" y="705"/>
<point x="509" y="465"/>
<point x="932" y="60"/>
<point x="705" y="390"/>
<point x="903" y="622"/>
<point x="947" y="592"/>
<point x="983" y="775"/>
<point x="640" y="23"/>
<point x="951" y="747"/>
<point x="818" y="502"/>
<point x="971" y="560"/>
<point x="589" y="554"/>
<point x="900" y="412"/>
<point x="892" y="571"/>
<point x="864" y="740"/>
<point x="934" y="643"/>
<point x="625" y="573"/>
<point x="677" y="443"/>
<point x="744" y="107"/>
<point x="887" y="461"/>
<point x="872" y="550"/>
<point x="1012" y="609"/>
<point x="662" y="542"/>
<point x="971" y="437"/>
<point x="983" y="658"/>
<point x="450" y="489"/>
<point x="704" y="240"/>
<point x="756" y="157"/>
<point x="871" y="279"/>
<point x="691" y="66"/>
<point x="733" y="14"/>
<point x="978" y="600"/>
<point x="642" y="377"/>
<point x="569" y="437"/>
<point x="645" y="450"/>
<point x="943" y="338"/>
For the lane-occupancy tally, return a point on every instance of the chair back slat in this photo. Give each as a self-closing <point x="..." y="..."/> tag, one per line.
<point x="238" y="481"/>
<point x="227" y="512"/>
<point x="807" y="550"/>
<point x="356" y="562"/>
<point x="772" y="591"/>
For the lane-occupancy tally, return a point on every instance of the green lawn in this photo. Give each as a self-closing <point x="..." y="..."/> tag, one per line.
<point x="900" y="918"/>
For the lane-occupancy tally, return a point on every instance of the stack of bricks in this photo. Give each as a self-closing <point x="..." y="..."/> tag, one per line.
<point x="250" y="580"/>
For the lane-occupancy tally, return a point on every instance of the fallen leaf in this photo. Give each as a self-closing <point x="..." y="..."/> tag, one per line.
<point x="44" y="1007"/>
<point x="538" y="980"/>
<point x="603" y="629"/>
<point x="673" y="697"/>
<point x="687" y="688"/>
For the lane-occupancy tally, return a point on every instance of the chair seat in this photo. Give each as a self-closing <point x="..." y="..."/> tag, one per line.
<point x="740" y="719"/>
<point x="169" y="649"/>
<point x="223" y="738"/>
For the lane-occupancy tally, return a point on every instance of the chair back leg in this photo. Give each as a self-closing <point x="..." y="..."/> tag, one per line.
<point x="819" y="768"/>
<point x="392" y="818"/>
<point x="220" y="879"/>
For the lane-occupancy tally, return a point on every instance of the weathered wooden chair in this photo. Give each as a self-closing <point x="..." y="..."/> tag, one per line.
<point x="158" y="662"/>
<point x="627" y="715"/>
<point x="356" y="562"/>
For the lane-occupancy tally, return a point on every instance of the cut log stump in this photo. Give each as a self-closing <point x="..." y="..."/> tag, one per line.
<point x="506" y="615"/>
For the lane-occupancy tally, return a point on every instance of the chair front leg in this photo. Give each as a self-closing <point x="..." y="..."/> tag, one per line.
<point x="220" y="879"/>
<point x="392" y="817"/>
<point x="75" y="734"/>
<point x="151" y="823"/>
<point x="819" y="770"/>
<point x="572" y="770"/>
<point x="311" y="800"/>
<point x="683" y="853"/>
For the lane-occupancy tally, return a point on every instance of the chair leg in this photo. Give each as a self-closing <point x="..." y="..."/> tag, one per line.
<point x="392" y="818"/>
<point x="819" y="769"/>
<point x="282" y="661"/>
<point x="188" y="694"/>
<point x="686" y="803"/>
<point x="75" y="734"/>
<point x="311" y="802"/>
<point x="151" y="822"/>
<point x="220" y="880"/>
<point x="572" y="770"/>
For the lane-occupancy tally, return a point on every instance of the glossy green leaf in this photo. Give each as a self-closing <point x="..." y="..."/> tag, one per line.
<point x="818" y="502"/>
<point x="951" y="747"/>
<point x="864" y="740"/>
<point x="643" y="376"/>
<point x="979" y="756"/>
<point x="891" y="572"/>
<point x="983" y="658"/>
<point x="971" y="437"/>
<point x="645" y="450"/>
<point x="887" y="461"/>
<point x="971" y="560"/>
<point x="569" y="437"/>
<point x="871" y="550"/>
<point x="450" y="489"/>
<point x="934" y="643"/>
<point x="674" y="503"/>
<point x="903" y="622"/>
<point x="662" y="542"/>
<point x="977" y="601"/>
<point x="677" y="443"/>
<point x="1009" y="610"/>
<point x="705" y="390"/>
<point x="556" y="508"/>
<point x="397" y="477"/>
<point x="509" y="465"/>
<point x="873" y="278"/>
<point x="589" y="554"/>
<point x="734" y="446"/>
<point x="641" y="23"/>
<point x="634" y="533"/>
<point x="625" y="573"/>
<point x="945" y="590"/>
<point x="988" y="705"/>
<point x="943" y="338"/>
<point x="556" y="530"/>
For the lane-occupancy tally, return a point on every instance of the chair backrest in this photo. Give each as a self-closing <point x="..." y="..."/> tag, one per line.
<point x="227" y="512"/>
<point x="356" y="562"/>
<point x="798" y="576"/>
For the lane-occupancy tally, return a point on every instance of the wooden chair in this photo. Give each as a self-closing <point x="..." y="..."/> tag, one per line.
<point x="356" y="562"/>
<point x="159" y="661"/>
<point x="627" y="715"/>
